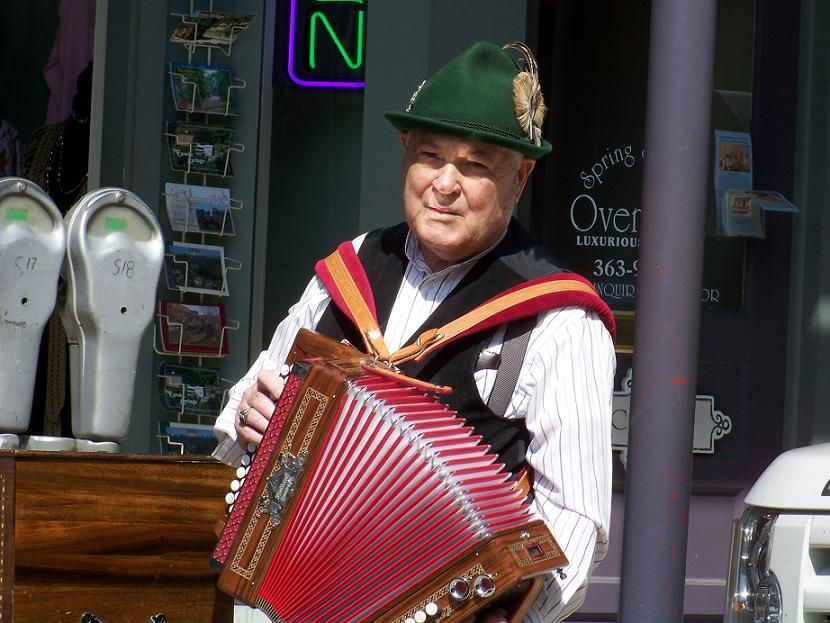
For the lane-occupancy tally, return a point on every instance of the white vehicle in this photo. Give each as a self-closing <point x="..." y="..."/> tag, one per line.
<point x="780" y="565"/>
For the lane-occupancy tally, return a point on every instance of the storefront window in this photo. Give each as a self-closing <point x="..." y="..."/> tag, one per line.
<point x="595" y="62"/>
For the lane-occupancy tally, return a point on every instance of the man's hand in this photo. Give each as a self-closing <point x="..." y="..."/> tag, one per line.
<point x="256" y="408"/>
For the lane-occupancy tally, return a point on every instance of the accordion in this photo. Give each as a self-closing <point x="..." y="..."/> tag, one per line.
<point x="369" y="500"/>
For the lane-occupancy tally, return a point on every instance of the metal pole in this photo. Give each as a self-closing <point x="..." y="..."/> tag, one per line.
<point x="668" y="310"/>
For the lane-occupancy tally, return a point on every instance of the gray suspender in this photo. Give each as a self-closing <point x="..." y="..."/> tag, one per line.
<point x="513" y="350"/>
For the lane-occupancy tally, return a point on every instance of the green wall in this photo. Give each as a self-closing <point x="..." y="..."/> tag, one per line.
<point x="808" y="357"/>
<point x="314" y="189"/>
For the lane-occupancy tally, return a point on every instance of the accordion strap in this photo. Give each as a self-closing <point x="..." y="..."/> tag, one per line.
<point x="522" y="301"/>
<point x="344" y="277"/>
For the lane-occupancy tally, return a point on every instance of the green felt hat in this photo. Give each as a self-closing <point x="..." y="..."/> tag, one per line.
<point x="472" y="97"/>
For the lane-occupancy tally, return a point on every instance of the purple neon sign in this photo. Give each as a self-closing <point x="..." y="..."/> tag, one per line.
<point x="292" y="41"/>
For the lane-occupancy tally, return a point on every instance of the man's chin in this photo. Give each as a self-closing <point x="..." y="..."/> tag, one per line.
<point x="439" y="255"/>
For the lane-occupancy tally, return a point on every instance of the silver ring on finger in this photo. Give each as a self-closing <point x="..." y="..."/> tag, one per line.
<point x="243" y="416"/>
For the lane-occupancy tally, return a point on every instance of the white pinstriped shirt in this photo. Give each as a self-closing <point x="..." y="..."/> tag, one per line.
<point x="564" y="393"/>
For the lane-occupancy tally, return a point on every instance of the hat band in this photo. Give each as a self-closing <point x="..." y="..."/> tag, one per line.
<point x="486" y="128"/>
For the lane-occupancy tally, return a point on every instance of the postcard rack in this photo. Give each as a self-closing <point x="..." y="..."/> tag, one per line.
<point x="171" y="432"/>
<point x="188" y="33"/>
<point x="194" y="88"/>
<point x="193" y="209"/>
<point x="201" y="149"/>
<point x="173" y="343"/>
<point x="185" y="393"/>
<point x="192" y="336"/>
<point x="189" y="280"/>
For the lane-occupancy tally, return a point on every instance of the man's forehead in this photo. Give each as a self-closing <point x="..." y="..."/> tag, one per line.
<point x="464" y="146"/>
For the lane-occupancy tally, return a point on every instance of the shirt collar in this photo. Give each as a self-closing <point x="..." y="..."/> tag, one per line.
<point x="415" y="255"/>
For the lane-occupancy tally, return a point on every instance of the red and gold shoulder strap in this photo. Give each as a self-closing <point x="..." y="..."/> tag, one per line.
<point x="344" y="277"/>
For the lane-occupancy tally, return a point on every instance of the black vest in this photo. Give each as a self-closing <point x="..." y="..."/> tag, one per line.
<point x="514" y="260"/>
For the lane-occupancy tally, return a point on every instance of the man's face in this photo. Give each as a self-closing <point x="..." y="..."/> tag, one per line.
<point x="458" y="194"/>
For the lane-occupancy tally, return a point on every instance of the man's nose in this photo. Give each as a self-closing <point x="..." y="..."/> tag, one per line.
<point x="447" y="180"/>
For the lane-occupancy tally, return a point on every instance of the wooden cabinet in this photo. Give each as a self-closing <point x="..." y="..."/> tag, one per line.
<point x="123" y="537"/>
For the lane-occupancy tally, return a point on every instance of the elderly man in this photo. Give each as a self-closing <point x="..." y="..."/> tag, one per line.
<point x="470" y="137"/>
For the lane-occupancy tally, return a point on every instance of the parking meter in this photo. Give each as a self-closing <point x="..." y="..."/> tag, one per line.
<point x="114" y="256"/>
<point x="32" y="247"/>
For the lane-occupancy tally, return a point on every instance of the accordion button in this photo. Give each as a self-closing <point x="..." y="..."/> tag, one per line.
<point x="459" y="589"/>
<point x="246" y="460"/>
<point x="234" y="485"/>
<point x="485" y="585"/>
<point x="241" y="472"/>
<point x="420" y="616"/>
<point x="409" y="620"/>
<point x="230" y="498"/>
<point x="431" y="609"/>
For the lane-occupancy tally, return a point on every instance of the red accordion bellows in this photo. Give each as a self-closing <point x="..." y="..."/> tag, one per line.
<point x="362" y="497"/>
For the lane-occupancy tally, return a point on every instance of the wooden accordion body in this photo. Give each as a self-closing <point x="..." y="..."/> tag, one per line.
<point x="368" y="501"/>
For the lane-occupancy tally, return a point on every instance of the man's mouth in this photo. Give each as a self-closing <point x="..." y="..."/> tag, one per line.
<point x="442" y="210"/>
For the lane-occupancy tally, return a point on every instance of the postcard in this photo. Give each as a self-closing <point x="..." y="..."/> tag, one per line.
<point x="210" y="28"/>
<point x="199" y="209"/>
<point x="203" y="88"/>
<point x="197" y="268"/>
<point x="185" y="91"/>
<point x="732" y="174"/>
<point x="187" y="389"/>
<point x="185" y="438"/>
<point x="193" y="329"/>
<point x="223" y="27"/>
<point x="196" y="148"/>
<point x="741" y="216"/>
<point x="772" y="201"/>
<point x="186" y="31"/>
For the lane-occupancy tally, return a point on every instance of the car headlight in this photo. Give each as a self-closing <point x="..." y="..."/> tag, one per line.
<point x="753" y="593"/>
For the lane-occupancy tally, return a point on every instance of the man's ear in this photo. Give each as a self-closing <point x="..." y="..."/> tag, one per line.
<point x="404" y="138"/>
<point x="523" y="174"/>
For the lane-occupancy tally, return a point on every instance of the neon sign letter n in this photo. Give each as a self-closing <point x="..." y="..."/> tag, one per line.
<point x="319" y="19"/>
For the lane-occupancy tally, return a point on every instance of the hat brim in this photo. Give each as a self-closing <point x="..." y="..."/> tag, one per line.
<point x="404" y="121"/>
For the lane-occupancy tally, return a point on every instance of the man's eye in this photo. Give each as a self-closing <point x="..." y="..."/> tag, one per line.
<point x="477" y="166"/>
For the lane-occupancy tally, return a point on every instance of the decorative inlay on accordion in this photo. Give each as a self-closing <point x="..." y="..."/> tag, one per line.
<point x="369" y="500"/>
